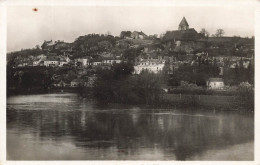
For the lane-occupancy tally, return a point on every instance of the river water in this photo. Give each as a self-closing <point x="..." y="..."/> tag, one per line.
<point x="67" y="127"/>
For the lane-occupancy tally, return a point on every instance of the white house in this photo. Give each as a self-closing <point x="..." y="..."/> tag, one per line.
<point x="95" y="62"/>
<point x="62" y="62"/>
<point x="215" y="83"/>
<point x="36" y="63"/>
<point x="85" y="61"/>
<point x="151" y="65"/>
<point x="51" y="61"/>
<point x="111" y="61"/>
<point x="39" y="58"/>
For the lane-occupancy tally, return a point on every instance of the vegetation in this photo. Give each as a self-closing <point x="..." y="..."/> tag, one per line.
<point x="219" y="33"/>
<point x="245" y="94"/>
<point x="197" y="74"/>
<point x="117" y="85"/>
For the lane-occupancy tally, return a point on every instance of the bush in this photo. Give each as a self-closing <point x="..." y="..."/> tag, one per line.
<point x="245" y="93"/>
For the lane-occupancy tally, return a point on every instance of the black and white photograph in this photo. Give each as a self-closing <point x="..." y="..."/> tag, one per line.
<point x="125" y="82"/>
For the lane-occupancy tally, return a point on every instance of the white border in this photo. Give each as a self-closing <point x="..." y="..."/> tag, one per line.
<point x="4" y="3"/>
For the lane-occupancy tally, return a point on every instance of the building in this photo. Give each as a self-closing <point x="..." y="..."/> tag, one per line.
<point x="183" y="33"/>
<point x="183" y="24"/>
<point x="151" y="65"/>
<point x="110" y="61"/>
<point x="60" y="83"/>
<point x="95" y="62"/>
<point x="77" y="83"/>
<point x="138" y="35"/>
<point x="215" y="83"/>
<point x="39" y="59"/>
<point x="51" y="61"/>
<point x="62" y="62"/>
<point x="85" y="61"/>
<point x="37" y="62"/>
<point x="41" y="56"/>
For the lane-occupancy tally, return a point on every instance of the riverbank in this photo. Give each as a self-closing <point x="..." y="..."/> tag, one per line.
<point x="194" y="102"/>
<point x="167" y="100"/>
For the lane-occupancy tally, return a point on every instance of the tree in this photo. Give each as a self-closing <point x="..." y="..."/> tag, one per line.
<point x="245" y="95"/>
<point x="37" y="47"/>
<point x="220" y="33"/>
<point x="104" y="45"/>
<point x="125" y="34"/>
<point x="147" y="87"/>
<point x="122" y="70"/>
<point x="204" y="32"/>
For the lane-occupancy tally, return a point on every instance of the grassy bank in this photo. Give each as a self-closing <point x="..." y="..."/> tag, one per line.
<point x="211" y="102"/>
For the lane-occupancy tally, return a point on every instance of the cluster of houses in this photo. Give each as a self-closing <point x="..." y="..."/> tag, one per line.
<point x="151" y="61"/>
<point x="87" y="82"/>
<point x="62" y="60"/>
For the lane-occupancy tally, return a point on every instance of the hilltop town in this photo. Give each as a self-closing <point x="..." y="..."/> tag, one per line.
<point x="185" y="57"/>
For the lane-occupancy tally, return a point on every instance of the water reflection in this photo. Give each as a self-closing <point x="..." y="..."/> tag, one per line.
<point x="61" y="126"/>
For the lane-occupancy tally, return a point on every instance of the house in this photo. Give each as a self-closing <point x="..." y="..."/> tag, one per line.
<point x="151" y="65"/>
<point x="215" y="83"/>
<point x="85" y="61"/>
<point x="63" y="62"/>
<point x="77" y="83"/>
<point x="51" y="61"/>
<point x="110" y="61"/>
<point x="40" y="59"/>
<point x="60" y="83"/>
<point x="41" y="63"/>
<point x="138" y="35"/>
<point x="95" y="62"/>
<point x="41" y="56"/>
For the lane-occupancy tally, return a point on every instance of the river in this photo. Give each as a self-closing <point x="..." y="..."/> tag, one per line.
<point x="63" y="126"/>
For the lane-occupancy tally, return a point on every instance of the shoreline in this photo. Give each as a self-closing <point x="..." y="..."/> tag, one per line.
<point x="174" y="101"/>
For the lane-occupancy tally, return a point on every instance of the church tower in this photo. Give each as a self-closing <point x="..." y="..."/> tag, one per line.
<point x="183" y="24"/>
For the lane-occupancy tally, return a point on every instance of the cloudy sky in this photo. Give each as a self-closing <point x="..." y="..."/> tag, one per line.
<point x="27" y="28"/>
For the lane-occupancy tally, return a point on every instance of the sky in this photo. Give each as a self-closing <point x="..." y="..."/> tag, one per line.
<point x="27" y="28"/>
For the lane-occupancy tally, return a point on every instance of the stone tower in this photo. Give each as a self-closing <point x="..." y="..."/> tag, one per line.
<point x="183" y="24"/>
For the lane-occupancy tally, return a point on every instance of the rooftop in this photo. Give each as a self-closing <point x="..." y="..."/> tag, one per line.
<point x="183" y="22"/>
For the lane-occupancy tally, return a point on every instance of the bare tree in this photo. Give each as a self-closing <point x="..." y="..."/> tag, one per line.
<point x="220" y="33"/>
<point x="204" y="32"/>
